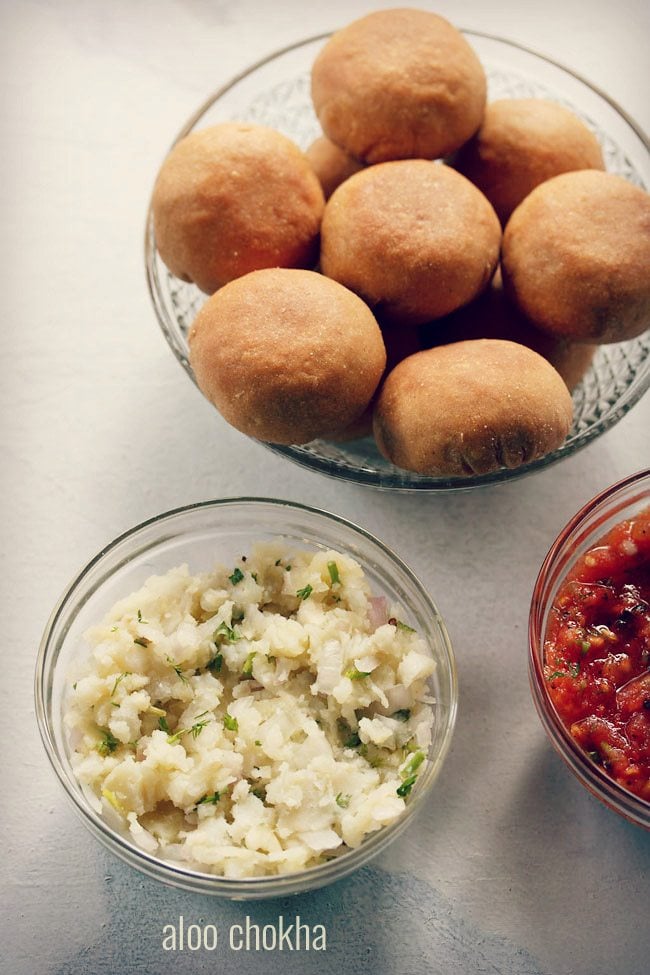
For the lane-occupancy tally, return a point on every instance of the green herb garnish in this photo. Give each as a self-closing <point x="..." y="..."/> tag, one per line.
<point x="177" y="670"/>
<point x="213" y="799"/>
<point x="230" y="723"/>
<point x="198" y="727"/>
<point x="402" y="626"/>
<point x="413" y="764"/>
<point x="343" y="800"/>
<point x="404" y="789"/>
<point x="108" y="744"/>
<point x="402" y="715"/>
<point x="216" y="663"/>
<point x="305" y="592"/>
<point x="247" y="669"/>
<point x="140" y="620"/>
<point x="162" y="724"/>
<point x="223" y="630"/>
<point x="236" y="577"/>
<point x="127" y="673"/>
<point x="333" y="570"/>
<point x="259" y="792"/>
<point x="354" y="674"/>
<point x="142" y="641"/>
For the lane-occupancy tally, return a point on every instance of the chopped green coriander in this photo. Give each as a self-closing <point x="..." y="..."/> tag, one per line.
<point x="333" y="570"/>
<point x="177" y="670"/>
<point x="258" y="742"/>
<point x="247" y="669"/>
<point x="404" y="789"/>
<point x="210" y="799"/>
<point x="556" y="673"/>
<point x="216" y="663"/>
<point x="413" y="764"/>
<point x="198" y="727"/>
<point x="176" y="737"/>
<point x="127" y="673"/>
<point x="108" y="744"/>
<point x="574" y="669"/>
<point x="254" y="576"/>
<point x="140" y="620"/>
<point x="403" y="626"/>
<point x="230" y="723"/>
<point x="278" y="561"/>
<point x="287" y="568"/>
<point x="74" y="686"/>
<point x="259" y="792"/>
<point x="585" y="646"/>
<point x="353" y="741"/>
<point x="162" y="724"/>
<point x="354" y="674"/>
<point x="305" y="592"/>
<point x="142" y="641"/>
<point x="402" y="715"/>
<point x="343" y="800"/>
<point x="223" y="630"/>
<point x="133" y="744"/>
<point x="236" y="577"/>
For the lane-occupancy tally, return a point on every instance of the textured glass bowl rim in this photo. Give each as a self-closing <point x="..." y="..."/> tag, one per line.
<point x="72" y="600"/>
<point x="611" y="502"/>
<point x="401" y="481"/>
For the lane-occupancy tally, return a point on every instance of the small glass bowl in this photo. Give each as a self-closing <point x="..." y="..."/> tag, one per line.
<point x="202" y="535"/>
<point x="275" y="92"/>
<point x="591" y="523"/>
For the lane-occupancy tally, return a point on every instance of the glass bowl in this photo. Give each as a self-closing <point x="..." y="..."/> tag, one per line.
<point x="202" y="535"/>
<point x="275" y="92"/>
<point x="586" y="528"/>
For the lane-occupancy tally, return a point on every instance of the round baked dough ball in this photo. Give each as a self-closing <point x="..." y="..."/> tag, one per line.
<point x="576" y="257"/>
<point x="413" y="237"/>
<point x="234" y="198"/>
<point x="521" y="143"/>
<point x="493" y="316"/>
<point x="471" y="408"/>
<point x="331" y="164"/>
<point x="398" y="84"/>
<point x="287" y="355"/>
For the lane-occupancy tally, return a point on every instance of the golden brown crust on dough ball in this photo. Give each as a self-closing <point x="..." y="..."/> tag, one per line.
<point x="414" y="238"/>
<point x="233" y="198"/>
<point x="398" y="84"/>
<point x="471" y="408"/>
<point x="521" y="143"/>
<point x="331" y="164"/>
<point x="493" y="316"/>
<point x="399" y="343"/>
<point x="576" y="257"/>
<point x="287" y="355"/>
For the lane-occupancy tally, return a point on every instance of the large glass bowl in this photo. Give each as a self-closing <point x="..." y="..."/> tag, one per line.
<point x="586" y="528"/>
<point x="202" y="535"/>
<point x="276" y="92"/>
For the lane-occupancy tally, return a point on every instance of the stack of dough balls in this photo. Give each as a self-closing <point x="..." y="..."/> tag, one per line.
<point x="433" y="269"/>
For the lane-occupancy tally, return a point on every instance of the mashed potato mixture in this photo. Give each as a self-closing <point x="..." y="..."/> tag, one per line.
<point x="253" y="720"/>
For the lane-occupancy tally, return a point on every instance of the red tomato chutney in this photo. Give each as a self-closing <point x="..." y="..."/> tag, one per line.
<point x="597" y="653"/>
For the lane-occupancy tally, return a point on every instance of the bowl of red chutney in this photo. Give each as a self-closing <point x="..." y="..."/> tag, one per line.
<point x="589" y="643"/>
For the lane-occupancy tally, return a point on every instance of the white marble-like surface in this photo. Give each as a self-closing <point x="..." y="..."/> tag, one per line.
<point x="513" y="868"/>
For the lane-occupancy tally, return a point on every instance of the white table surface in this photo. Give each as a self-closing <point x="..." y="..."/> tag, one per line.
<point x="512" y="868"/>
